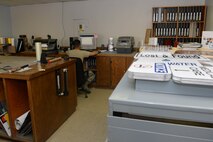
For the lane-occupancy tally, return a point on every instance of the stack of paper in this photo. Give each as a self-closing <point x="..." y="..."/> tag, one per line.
<point x="198" y="75"/>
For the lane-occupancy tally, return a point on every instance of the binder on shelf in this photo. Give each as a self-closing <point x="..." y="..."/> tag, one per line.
<point x="4" y="119"/>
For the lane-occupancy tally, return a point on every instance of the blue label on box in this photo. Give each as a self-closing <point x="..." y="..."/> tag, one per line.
<point x="160" y="68"/>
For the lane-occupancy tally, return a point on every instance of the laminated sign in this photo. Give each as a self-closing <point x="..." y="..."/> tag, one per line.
<point x="158" y="71"/>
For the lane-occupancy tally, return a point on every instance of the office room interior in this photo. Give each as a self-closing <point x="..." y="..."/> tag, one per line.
<point x="106" y="19"/>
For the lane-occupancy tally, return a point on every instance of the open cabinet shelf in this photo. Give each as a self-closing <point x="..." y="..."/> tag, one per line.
<point x="172" y="25"/>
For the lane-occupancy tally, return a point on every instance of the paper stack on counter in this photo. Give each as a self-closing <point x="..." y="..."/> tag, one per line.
<point x="199" y="75"/>
<point x="149" y="70"/>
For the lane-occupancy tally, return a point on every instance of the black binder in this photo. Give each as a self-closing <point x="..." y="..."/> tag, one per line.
<point x="20" y="46"/>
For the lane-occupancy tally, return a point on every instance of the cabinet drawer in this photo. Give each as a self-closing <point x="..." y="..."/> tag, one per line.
<point x="133" y="130"/>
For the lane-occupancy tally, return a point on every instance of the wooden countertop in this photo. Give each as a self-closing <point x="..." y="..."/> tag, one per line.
<point x="36" y="69"/>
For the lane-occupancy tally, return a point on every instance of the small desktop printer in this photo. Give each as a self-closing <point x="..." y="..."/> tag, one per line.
<point x="48" y="45"/>
<point x="125" y="44"/>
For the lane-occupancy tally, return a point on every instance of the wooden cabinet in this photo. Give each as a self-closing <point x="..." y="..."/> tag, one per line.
<point x="36" y="91"/>
<point x="103" y="69"/>
<point x="118" y="68"/>
<point x="111" y="68"/>
<point x="178" y="24"/>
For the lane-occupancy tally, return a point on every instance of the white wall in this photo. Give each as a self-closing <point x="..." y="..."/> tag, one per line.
<point x="209" y="19"/>
<point x="5" y="22"/>
<point x="107" y="18"/>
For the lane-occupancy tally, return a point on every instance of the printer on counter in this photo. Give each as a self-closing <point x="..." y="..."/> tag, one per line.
<point x="125" y="44"/>
<point x="48" y="45"/>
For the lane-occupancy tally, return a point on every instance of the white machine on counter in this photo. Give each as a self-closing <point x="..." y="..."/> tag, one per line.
<point x="125" y="44"/>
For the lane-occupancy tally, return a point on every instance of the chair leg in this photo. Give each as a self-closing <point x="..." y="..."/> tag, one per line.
<point x="85" y="93"/>
<point x="86" y="96"/>
<point x="80" y="91"/>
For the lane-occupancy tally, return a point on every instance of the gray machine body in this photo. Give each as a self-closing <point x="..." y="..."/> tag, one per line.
<point x="125" y="44"/>
<point x="145" y="98"/>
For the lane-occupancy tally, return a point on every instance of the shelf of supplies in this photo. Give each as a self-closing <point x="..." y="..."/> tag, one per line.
<point x="181" y="23"/>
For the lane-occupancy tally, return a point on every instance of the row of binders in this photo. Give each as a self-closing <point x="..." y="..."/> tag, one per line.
<point x="170" y="15"/>
<point x="185" y="30"/>
<point x="165" y="31"/>
<point x="189" y="30"/>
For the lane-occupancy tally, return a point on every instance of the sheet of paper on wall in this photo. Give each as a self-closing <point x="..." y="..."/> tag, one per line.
<point x="207" y="39"/>
<point x="153" y="41"/>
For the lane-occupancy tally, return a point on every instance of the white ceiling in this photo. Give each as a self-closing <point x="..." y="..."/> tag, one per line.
<point x="30" y="2"/>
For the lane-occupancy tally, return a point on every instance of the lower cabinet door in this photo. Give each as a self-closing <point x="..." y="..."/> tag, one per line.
<point x="103" y="74"/>
<point x="118" y="68"/>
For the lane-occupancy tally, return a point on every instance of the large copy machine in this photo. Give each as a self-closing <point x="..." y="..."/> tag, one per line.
<point x="163" y="98"/>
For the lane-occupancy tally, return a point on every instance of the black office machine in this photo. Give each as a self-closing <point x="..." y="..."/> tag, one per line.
<point x="125" y="44"/>
<point x="48" y="45"/>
